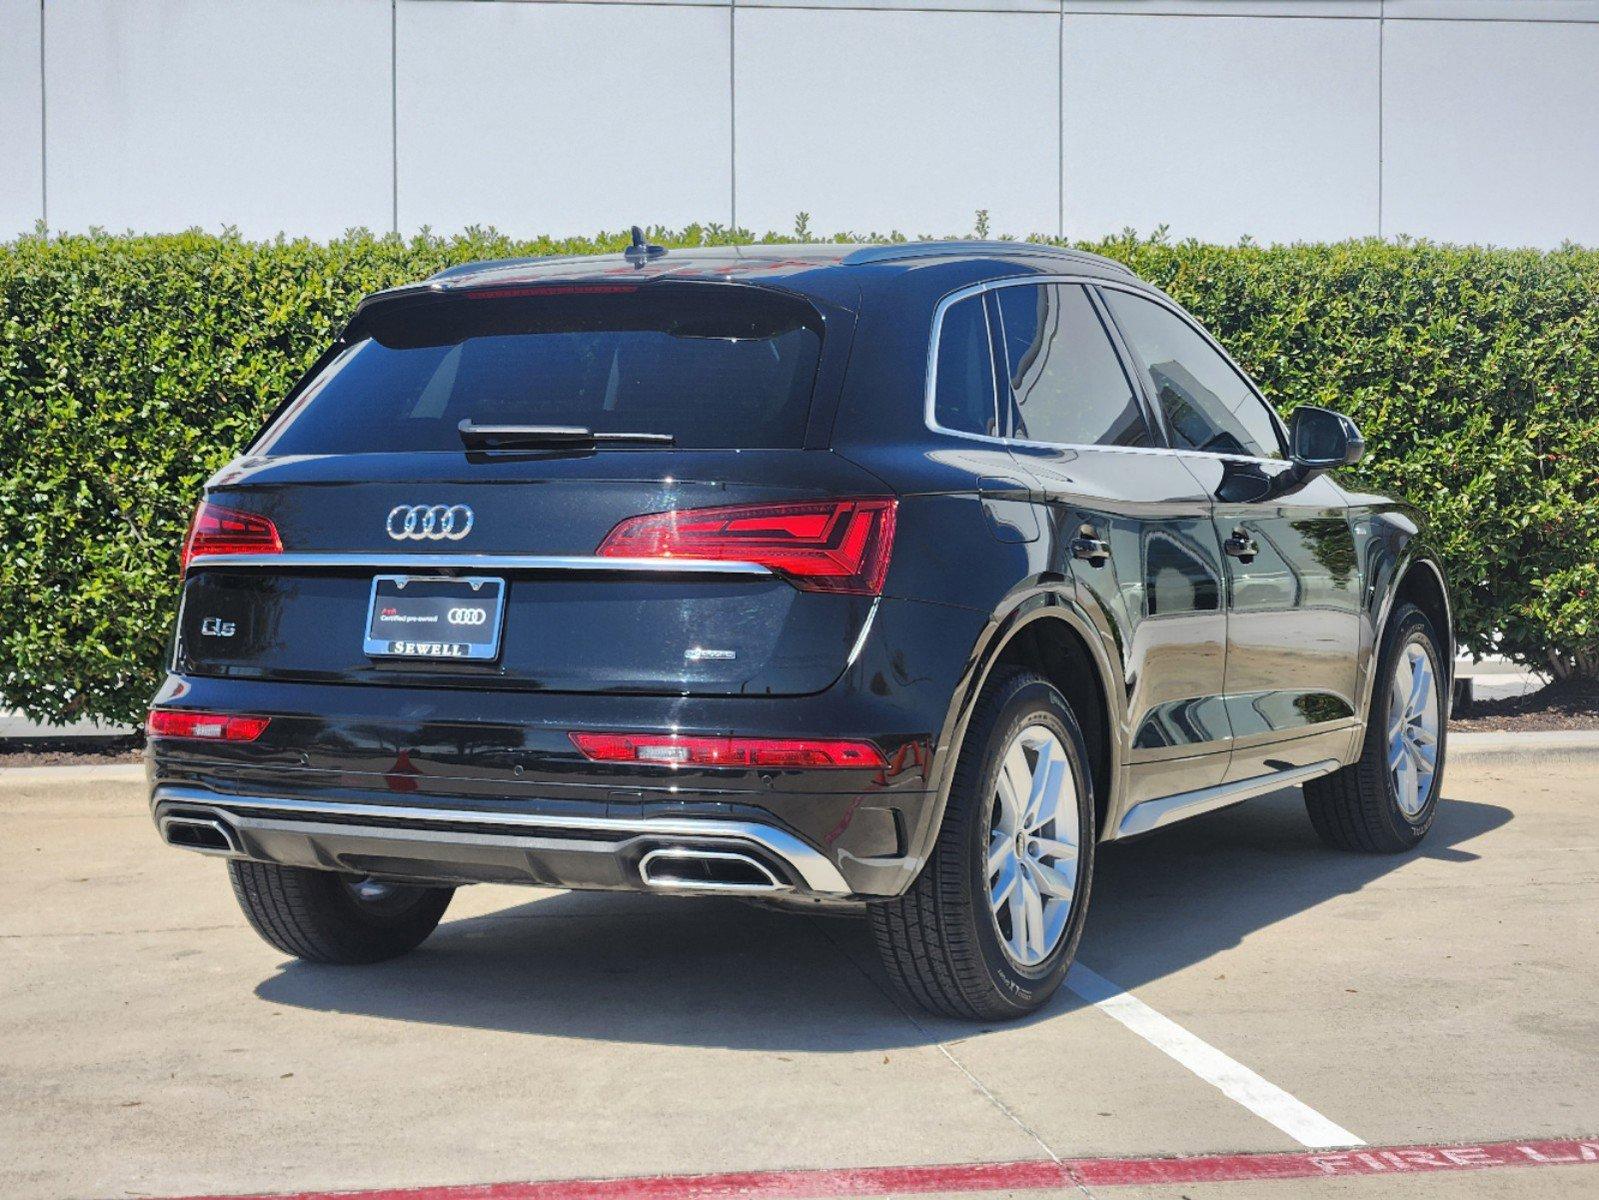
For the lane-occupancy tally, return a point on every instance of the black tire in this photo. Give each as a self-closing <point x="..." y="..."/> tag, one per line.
<point x="939" y="942"/>
<point x="321" y="916"/>
<point x="1357" y="808"/>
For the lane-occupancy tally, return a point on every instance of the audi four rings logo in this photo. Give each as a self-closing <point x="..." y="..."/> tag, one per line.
<point x="468" y="616"/>
<point x="432" y="522"/>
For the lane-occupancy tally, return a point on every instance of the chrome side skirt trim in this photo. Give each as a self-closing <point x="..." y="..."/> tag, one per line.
<point x="818" y="872"/>
<point x="1167" y="810"/>
<point x="479" y="562"/>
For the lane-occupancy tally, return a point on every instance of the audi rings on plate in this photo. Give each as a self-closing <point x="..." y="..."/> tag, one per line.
<point x="431" y="522"/>
<point x="468" y="616"/>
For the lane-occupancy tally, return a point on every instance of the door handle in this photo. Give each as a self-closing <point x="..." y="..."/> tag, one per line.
<point x="1241" y="546"/>
<point x="1089" y="547"/>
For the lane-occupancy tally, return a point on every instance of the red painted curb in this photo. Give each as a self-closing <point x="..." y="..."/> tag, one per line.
<point x="995" y="1177"/>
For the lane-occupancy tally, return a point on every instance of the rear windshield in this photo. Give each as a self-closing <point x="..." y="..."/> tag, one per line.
<point x="713" y="365"/>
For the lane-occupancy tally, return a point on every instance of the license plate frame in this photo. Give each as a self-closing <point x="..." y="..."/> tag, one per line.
<point x="442" y="598"/>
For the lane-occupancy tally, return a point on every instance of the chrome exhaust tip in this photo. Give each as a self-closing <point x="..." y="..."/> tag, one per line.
<point x="204" y="835"/>
<point x="683" y="869"/>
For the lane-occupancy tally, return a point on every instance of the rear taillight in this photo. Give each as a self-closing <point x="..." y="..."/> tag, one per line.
<point x="213" y="727"/>
<point x="818" y="545"/>
<point x="218" y="530"/>
<point x="675" y="750"/>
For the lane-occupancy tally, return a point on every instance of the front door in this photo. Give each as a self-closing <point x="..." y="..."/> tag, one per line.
<point x="1293" y="615"/>
<point x="1293" y="586"/>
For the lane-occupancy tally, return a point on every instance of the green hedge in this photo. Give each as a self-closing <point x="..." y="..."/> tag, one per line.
<point x="132" y="367"/>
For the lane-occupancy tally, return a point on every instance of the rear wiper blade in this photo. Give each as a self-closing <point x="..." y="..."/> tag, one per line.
<point x="521" y="437"/>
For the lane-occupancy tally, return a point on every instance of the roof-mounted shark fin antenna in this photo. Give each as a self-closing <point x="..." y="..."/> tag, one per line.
<point x="640" y="252"/>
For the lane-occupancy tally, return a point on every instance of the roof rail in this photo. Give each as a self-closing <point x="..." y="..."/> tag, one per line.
<point x="904" y="250"/>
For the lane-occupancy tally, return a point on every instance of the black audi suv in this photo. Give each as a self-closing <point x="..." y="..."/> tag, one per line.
<point x="892" y="577"/>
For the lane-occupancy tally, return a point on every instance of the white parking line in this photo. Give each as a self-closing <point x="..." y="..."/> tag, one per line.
<point x="1234" y="1080"/>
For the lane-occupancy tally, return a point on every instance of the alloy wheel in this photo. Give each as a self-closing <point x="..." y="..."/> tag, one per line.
<point x="1034" y="833"/>
<point x="1413" y="727"/>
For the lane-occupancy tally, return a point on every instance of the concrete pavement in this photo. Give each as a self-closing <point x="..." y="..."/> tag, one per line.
<point x="154" y="1046"/>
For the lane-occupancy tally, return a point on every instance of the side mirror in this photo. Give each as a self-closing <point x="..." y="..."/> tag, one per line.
<point x="1320" y="439"/>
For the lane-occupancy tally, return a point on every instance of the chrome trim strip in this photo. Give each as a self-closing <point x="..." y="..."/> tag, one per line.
<point x="818" y="872"/>
<point x="860" y="639"/>
<point x="481" y="562"/>
<point x="1138" y="288"/>
<point x="1167" y="810"/>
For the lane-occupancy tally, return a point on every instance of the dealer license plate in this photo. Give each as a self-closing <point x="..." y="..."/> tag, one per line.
<point x="424" y="616"/>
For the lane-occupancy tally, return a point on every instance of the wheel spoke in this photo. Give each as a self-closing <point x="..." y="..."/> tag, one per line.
<point x="1051" y="793"/>
<point x="1061" y="793"/>
<point x="1396" y="751"/>
<point x="1035" y="918"/>
<point x="1046" y="789"/>
<point x="1038" y="786"/>
<point x="1016" y="781"/>
<point x="1420" y="687"/>
<point x="1405" y="783"/>
<point x="1055" y="848"/>
<point x="1421" y="735"/>
<point x="1059" y="881"/>
<point x="1002" y="889"/>
<point x="999" y="850"/>
<point x="1018" y="919"/>
<point x="1399" y="693"/>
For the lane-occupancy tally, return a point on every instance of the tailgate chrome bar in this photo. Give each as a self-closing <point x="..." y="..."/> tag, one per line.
<point x="815" y="868"/>
<point x="481" y="562"/>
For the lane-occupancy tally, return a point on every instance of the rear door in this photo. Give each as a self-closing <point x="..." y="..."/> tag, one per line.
<point x="1293" y="612"/>
<point x="364" y="475"/>
<point x="1129" y="523"/>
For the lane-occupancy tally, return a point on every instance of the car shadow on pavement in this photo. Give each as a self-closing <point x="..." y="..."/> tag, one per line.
<point x="711" y="972"/>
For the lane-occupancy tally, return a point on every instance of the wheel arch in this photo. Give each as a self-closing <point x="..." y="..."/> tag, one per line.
<point x="1419" y="579"/>
<point x="1047" y="632"/>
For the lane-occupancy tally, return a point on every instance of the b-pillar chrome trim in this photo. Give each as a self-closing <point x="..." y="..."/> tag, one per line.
<point x="1152" y="814"/>
<point x="814" y="868"/>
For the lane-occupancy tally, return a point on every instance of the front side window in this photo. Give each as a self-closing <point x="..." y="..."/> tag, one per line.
<point x="1207" y="404"/>
<point x="963" y="386"/>
<point x="1067" y="385"/>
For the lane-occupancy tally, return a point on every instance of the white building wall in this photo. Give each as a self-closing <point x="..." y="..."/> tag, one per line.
<point x="888" y="120"/>
<point x="1221" y="126"/>
<point x="21" y="122"/>
<point x="164" y="114"/>
<point x="565" y="118"/>
<point x="1491" y="131"/>
<point x="1465" y="120"/>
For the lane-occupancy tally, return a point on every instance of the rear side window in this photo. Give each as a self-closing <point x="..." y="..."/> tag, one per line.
<point x="963" y="385"/>
<point x="713" y="365"/>
<point x="1207" y="404"/>
<point x="1067" y="385"/>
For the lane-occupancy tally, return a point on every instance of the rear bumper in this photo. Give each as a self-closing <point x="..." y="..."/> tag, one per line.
<point x="465" y="784"/>
<point x="425" y="842"/>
